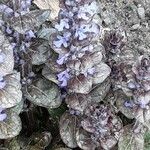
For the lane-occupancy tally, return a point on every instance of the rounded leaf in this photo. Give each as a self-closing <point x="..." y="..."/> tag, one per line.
<point x="11" y="126"/>
<point x="67" y="128"/>
<point x="50" y="74"/>
<point x="121" y="99"/>
<point x="78" y="101"/>
<point x="147" y="141"/>
<point x="143" y="116"/>
<point x="41" y="52"/>
<point x="84" y="140"/>
<point x="11" y="94"/>
<point x="100" y="91"/>
<point x="12" y="144"/>
<point x="29" y="21"/>
<point x="18" y="108"/>
<point x="130" y="140"/>
<point x="44" y="93"/>
<point x="6" y="67"/>
<point x="45" y="33"/>
<point x="40" y="140"/>
<point x="80" y="84"/>
<point x="102" y="71"/>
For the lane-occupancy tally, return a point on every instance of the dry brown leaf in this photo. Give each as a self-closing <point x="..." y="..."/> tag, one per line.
<point x="53" y="5"/>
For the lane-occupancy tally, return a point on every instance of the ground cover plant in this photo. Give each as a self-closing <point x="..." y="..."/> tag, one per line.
<point x="74" y="74"/>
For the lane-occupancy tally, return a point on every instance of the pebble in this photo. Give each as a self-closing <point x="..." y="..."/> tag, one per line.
<point x="135" y="27"/>
<point x="141" y="12"/>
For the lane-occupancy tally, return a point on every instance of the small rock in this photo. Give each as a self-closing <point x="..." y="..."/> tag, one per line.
<point x="135" y="27"/>
<point x="141" y="12"/>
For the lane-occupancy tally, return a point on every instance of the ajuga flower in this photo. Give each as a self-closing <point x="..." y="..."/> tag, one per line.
<point x="5" y="9"/>
<point x="29" y="35"/>
<point x="63" y="77"/>
<point x="141" y="81"/>
<point x="97" y="128"/>
<point x="62" y="40"/>
<point x="76" y="42"/>
<point x="64" y="23"/>
<point x="103" y="125"/>
<point x="135" y="80"/>
<point x="113" y="42"/>
<point x="24" y="5"/>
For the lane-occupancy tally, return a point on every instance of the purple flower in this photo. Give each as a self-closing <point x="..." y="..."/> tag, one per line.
<point x="81" y="32"/>
<point x="131" y="85"/>
<point x="91" y="71"/>
<point x="5" y="9"/>
<point x="25" y="4"/>
<point x="62" y="40"/>
<point x="88" y="48"/>
<point x="70" y="2"/>
<point x="29" y="35"/>
<point x="84" y="29"/>
<point x="2" y="82"/>
<point x="13" y="45"/>
<point x="63" y="78"/>
<point x="92" y="28"/>
<point x="143" y="105"/>
<point x="82" y="14"/>
<point x="65" y="13"/>
<point x="63" y="24"/>
<point x="8" y="30"/>
<point x="129" y="104"/>
<point x="61" y="59"/>
<point x="2" y="115"/>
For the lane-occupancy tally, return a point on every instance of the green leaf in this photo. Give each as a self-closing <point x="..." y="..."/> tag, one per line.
<point x="11" y="126"/>
<point x="68" y="124"/>
<point x="84" y="141"/>
<point x="56" y="113"/>
<point x="102" y="71"/>
<point x="12" y="144"/>
<point x="130" y="140"/>
<point x="29" y="21"/>
<point x="147" y="141"/>
<point x="100" y="91"/>
<point x="120" y="102"/>
<point x="41" y="52"/>
<point x="8" y="64"/>
<point x="45" y="33"/>
<point x="11" y="94"/>
<point x="44" y="93"/>
<point x="18" y="108"/>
